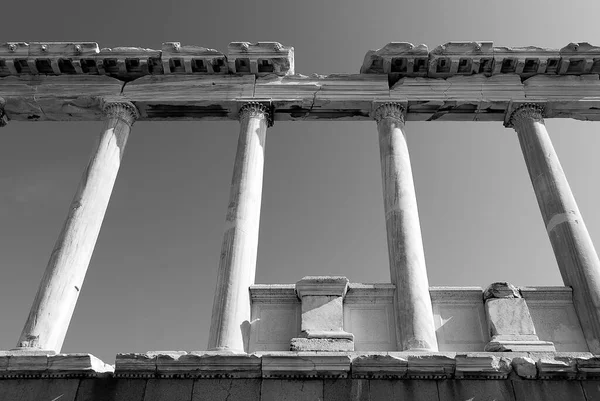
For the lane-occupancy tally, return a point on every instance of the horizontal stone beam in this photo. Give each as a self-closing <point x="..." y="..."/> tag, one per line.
<point x="297" y="97"/>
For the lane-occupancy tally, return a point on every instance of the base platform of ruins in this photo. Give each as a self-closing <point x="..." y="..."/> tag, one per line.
<point x="321" y="338"/>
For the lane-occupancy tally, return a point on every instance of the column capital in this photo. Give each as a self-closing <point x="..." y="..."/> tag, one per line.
<point x="526" y="111"/>
<point x="122" y="110"/>
<point x="3" y="116"/>
<point x="256" y="109"/>
<point x="391" y="110"/>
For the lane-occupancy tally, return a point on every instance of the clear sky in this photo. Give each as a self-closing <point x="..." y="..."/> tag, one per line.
<point x="151" y="280"/>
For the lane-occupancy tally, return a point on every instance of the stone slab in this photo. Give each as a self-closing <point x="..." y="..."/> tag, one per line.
<point x="544" y="390"/>
<point x="591" y="389"/>
<point x="346" y="389"/>
<point x="38" y="389"/>
<point x="168" y="389"/>
<point x="321" y="344"/>
<point x="226" y="389"/>
<point x="414" y="390"/>
<point x="480" y="390"/>
<point x="291" y="390"/>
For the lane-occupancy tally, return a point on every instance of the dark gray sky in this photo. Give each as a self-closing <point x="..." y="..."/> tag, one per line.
<point x="151" y="280"/>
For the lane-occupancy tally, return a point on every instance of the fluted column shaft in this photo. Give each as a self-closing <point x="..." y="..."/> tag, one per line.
<point x="59" y="289"/>
<point x="237" y="265"/>
<point x="573" y="248"/>
<point x="414" y="314"/>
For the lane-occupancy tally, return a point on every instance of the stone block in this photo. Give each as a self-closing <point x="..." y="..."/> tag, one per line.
<point x="322" y="365"/>
<point x="414" y="390"/>
<point x="104" y="389"/>
<point x="226" y="389"/>
<point x="217" y="365"/>
<point x="169" y="389"/>
<point x="544" y="390"/>
<point x="482" y="366"/>
<point x="556" y="368"/>
<point x="431" y="366"/>
<point x="321" y="344"/>
<point x="480" y="390"/>
<point x="587" y="367"/>
<point x="135" y="365"/>
<point x="291" y="390"/>
<point x="591" y="389"/>
<point x="379" y="367"/>
<point x="38" y="389"/>
<point x="23" y="364"/>
<point x="76" y="365"/>
<point x="501" y="290"/>
<point x="346" y="389"/>
<point x="524" y="367"/>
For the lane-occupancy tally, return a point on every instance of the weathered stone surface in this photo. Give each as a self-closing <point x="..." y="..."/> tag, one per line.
<point x="346" y="389"/>
<point x="488" y="390"/>
<point x="291" y="390"/>
<point x="511" y="326"/>
<point x="556" y="368"/>
<point x="135" y="365"/>
<point x="76" y="364"/>
<point x="226" y="389"/>
<point x="591" y="389"/>
<point x="40" y="389"/>
<point x="215" y="365"/>
<point x="524" y="367"/>
<point x="501" y="290"/>
<point x="307" y="364"/>
<point x="168" y="389"/>
<point x="379" y="367"/>
<point x="321" y="344"/>
<point x="543" y="390"/>
<point x="418" y="390"/>
<point x="481" y="366"/>
<point x="587" y="367"/>
<point x="431" y="366"/>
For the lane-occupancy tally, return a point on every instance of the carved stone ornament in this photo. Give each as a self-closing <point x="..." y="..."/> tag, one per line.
<point x="124" y="111"/>
<point x="526" y="112"/>
<point x="255" y="109"/>
<point x="389" y="110"/>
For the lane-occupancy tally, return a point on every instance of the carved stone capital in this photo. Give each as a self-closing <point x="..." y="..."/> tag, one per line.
<point x="124" y="111"/>
<point x="524" y="113"/>
<point x="255" y="109"/>
<point x="391" y="110"/>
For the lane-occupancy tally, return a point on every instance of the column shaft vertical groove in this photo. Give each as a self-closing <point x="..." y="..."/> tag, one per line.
<point x="573" y="248"/>
<point x="237" y="264"/>
<point x="55" y="301"/>
<point x="414" y="313"/>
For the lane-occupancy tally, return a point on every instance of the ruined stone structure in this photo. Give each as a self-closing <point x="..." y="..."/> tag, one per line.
<point x="322" y="337"/>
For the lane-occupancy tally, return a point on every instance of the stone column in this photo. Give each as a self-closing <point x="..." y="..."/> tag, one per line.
<point x="573" y="248"/>
<point x="414" y="314"/>
<point x="3" y="117"/>
<point x="237" y="266"/>
<point x="59" y="289"/>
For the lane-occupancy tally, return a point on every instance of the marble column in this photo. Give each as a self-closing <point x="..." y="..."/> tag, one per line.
<point x="229" y="330"/>
<point x="3" y="117"/>
<point x="573" y="248"/>
<point x="414" y="314"/>
<point x="59" y="289"/>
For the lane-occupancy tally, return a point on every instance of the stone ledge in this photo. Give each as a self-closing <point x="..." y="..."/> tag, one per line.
<point x="302" y="365"/>
<point x="15" y="365"/>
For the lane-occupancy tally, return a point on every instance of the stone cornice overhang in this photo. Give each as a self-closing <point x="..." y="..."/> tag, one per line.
<point x="463" y="81"/>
